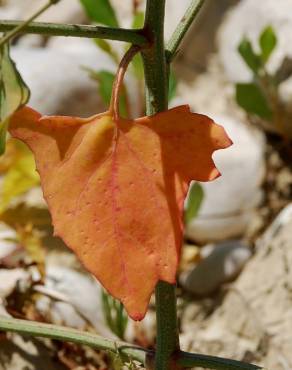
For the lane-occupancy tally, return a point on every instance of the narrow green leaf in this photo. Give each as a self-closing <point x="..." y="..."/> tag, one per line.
<point x="194" y="202"/>
<point x="100" y="11"/>
<point x="114" y="314"/>
<point x="138" y="69"/>
<point x="172" y="86"/>
<point x="138" y="20"/>
<point x="3" y="134"/>
<point x="13" y="92"/>
<point x="106" y="80"/>
<point x="268" y="42"/>
<point x="250" y="97"/>
<point x="137" y="62"/>
<point x="245" y="49"/>
<point x="107" y="48"/>
<point x="105" y="83"/>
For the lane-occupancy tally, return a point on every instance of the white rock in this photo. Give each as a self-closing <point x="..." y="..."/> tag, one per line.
<point x="229" y="201"/>
<point x="66" y="11"/>
<point x="285" y="91"/>
<point x="7" y="237"/>
<point x="222" y="265"/>
<point x="57" y="82"/>
<point x="249" y="18"/>
<point x="9" y="279"/>
<point x="256" y="312"/>
<point x="72" y="298"/>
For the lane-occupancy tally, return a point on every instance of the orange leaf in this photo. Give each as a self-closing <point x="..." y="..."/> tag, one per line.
<point x="116" y="190"/>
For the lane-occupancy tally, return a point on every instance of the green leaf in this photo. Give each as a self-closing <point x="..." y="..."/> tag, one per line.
<point x="20" y="177"/>
<point x="250" y="97"/>
<point x="13" y="92"/>
<point x="194" y="202"/>
<point x="138" y="20"/>
<point x="137" y="62"/>
<point x="106" y="80"/>
<point x="245" y="49"/>
<point x="268" y="42"/>
<point x="172" y="86"/>
<point x="101" y="11"/>
<point x="105" y="83"/>
<point x="107" y="48"/>
<point x="114" y="314"/>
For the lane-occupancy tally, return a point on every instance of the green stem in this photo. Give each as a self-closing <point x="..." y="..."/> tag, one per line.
<point x="156" y="79"/>
<point x="22" y="25"/>
<point x="75" y="30"/>
<point x="189" y="360"/>
<point x="182" y="28"/>
<point x="154" y="58"/>
<point x="167" y="342"/>
<point x="36" y="329"/>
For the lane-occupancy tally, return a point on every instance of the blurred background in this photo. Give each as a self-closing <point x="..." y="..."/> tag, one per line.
<point x="235" y="278"/>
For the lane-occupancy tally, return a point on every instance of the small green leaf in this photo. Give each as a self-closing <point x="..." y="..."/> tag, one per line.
<point x="172" y="86"/>
<point x="107" y="48"/>
<point x="268" y="42"/>
<point x="245" y="49"/>
<point x="138" y="20"/>
<point x="137" y="62"/>
<point x="105" y="81"/>
<point x="250" y="97"/>
<point x="101" y="11"/>
<point x="194" y="202"/>
<point x="13" y="92"/>
<point x="114" y="314"/>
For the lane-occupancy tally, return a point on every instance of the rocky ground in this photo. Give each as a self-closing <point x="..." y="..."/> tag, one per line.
<point x="235" y="283"/>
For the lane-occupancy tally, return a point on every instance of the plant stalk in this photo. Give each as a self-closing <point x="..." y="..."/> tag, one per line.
<point x="156" y="81"/>
<point x="75" y="30"/>
<point x="182" y="28"/>
<point x="36" y="329"/>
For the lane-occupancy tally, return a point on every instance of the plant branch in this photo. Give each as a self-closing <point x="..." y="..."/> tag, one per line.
<point x="35" y="329"/>
<point x="22" y="25"/>
<point x="156" y="81"/>
<point x="182" y="28"/>
<point x="190" y="360"/>
<point x="75" y="30"/>
<point x="167" y="342"/>
<point x="154" y="58"/>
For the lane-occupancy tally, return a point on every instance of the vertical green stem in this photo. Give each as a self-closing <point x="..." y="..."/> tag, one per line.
<point x="154" y="58"/>
<point x="167" y="342"/>
<point x="156" y="78"/>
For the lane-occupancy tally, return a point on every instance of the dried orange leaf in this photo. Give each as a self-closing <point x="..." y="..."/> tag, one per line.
<point x="116" y="190"/>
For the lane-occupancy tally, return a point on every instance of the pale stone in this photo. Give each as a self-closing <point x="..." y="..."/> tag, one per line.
<point x="72" y="299"/>
<point x="57" y="81"/>
<point x="222" y="265"/>
<point x="9" y="279"/>
<point x="230" y="200"/>
<point x="66" y="11"/>
<point x="255" y="315"/>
